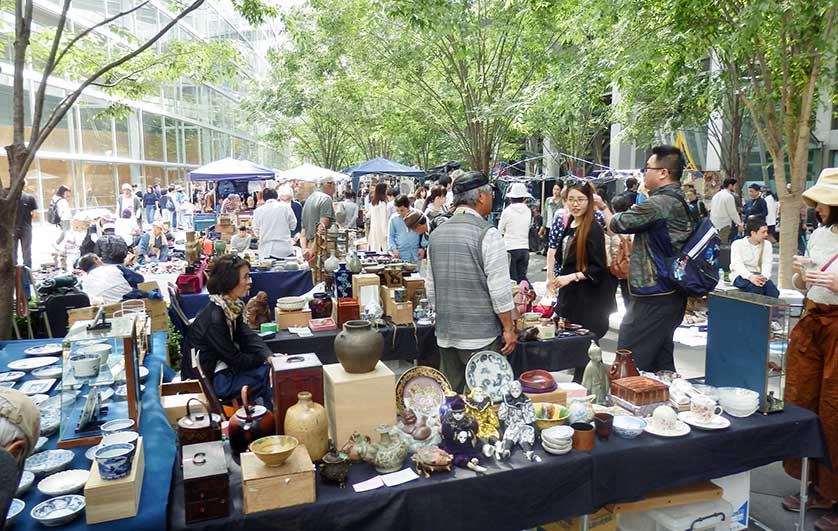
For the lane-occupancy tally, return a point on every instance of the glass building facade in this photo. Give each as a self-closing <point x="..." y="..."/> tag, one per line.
<point x="183" y="125"/>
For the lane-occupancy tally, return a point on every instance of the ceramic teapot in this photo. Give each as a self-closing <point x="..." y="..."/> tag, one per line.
<point x="248" y="424"/>
<point x="388" y="454"/>
<point x="581" y="409"/>
<point x="198" y="426"/>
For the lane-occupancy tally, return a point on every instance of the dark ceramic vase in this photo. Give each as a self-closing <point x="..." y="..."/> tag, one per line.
<point x="343" y="281"/>
<point x="321" y="306"/>
<point x="623" y="366"/>
<point x="358" y="346"/>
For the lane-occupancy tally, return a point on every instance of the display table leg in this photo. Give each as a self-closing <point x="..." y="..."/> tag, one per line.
<point x="585" y="523"/>
<point x="804" y="492"/>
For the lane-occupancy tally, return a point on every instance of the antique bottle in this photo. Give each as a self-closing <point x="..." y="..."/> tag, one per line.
<point x="358" y="346"/>
<point x="353" y="262"/>
<point x="387" y="455"/>
<point x="331" y="263"/>
<point x="307" y="421"/>
<point x="343" y="281"/>
<point x="321" y="306"/>
<point x="623" y="366"/>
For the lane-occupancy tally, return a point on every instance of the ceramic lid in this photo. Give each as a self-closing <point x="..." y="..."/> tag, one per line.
<point x="256" y="412"/>
<point x="293" y="362"/>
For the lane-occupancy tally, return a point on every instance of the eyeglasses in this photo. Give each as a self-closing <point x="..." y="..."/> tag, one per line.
<point x="577" y="200"/>
<point x="647" y="168"/>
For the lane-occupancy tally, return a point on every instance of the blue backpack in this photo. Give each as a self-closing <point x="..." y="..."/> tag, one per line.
<point x="695" y="270"/>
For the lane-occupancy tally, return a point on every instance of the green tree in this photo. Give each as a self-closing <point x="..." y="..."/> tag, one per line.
<point x="80" y="57"/>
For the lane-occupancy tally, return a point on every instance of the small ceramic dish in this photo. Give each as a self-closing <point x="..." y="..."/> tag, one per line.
<point x="143" y="373"/>
<point x="39" y="444"/>
<point x="50" y="349"/>
<point x="114" y="461"/>
<point x="114" y="426"/>
<point x="66" y="482"/>
<point x="28" y="364"/>
<point x="11" y="376"/>
<point x="26" y="480"/>
<point x="536" y="379"/>
<point x="120" y="437"/>
<point x="628" y="427"/>
<point x="273" y="450"/>
<point x="552" y="451"/>
<point x="90" y="452"/>
<point x="48" y="372"/>
<point x="122" y="391"/>
<point x="59" y="510"/>
<point x="85" y="365"/>
<point x="49" y="461"/>
<point x="15" y="509"/>
<point x="290" y="304"/>
<point x="557" y="435"/>
<point x="50" y="421"/>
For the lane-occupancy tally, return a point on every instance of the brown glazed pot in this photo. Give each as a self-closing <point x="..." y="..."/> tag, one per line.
<point x="623" y="366"/>
<point x="307" y="421"/>
<point x="358" y="346"/>
<point x="248" y="424"/>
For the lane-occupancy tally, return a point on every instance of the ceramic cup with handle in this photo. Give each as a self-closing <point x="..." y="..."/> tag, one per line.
<point x="664" y="419"/>
<point x="705" y="408"/>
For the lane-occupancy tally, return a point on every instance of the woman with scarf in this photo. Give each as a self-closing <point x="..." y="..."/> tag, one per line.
<point x="812" y="354"/>
<point x="231" y="354"/>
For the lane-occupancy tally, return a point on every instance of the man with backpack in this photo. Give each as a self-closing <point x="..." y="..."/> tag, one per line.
<point x="655" y="308"/>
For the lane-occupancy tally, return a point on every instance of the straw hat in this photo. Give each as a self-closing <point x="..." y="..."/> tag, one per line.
<point x="825" y="190"/>
<point x="518" y="190"/>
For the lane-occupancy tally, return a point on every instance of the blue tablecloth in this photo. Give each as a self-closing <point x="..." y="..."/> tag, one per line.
<point x="158" y="437"/>
<point x="275" y="283"/>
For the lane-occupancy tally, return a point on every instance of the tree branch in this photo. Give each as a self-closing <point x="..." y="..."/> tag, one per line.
<point x="48" y="68"/>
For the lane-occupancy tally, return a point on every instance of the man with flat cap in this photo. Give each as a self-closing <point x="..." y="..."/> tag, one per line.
<point x="20" y="427"/>
<point x="468" y="281"/>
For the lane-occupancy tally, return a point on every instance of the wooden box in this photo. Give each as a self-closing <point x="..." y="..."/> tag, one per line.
<point x="361" y="280"/>
<point x="697" y="492"/>
<point x="118" y="498"/>
<point x="640" y="390"/>
<point x="602" y="520"/>
<point x="358" y="402"/>
<point x="399" y="312"/>
<point x="175" y="395"/>
<point x="155" y="309"/>
<point x="348" y="310"/>
<point x="411" y="284"/>
<point x="206" y="485"/>
<point x="265" y="487"/>
<point x="298" y="319"/>
<point x="291" y="375"/>
<point x="553" y="397"/>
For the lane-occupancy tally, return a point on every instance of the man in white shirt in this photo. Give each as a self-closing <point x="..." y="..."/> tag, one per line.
<point x="723" y="211"/>
<point x="751" y="260"/>
<point x="514" y="226"/>
<point x="272" y="224"/>
<point x="103" y="283"/>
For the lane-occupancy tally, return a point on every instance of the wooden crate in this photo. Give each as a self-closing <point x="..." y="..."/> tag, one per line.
<point x="118" y="498"/>
<point x="265" y="487"/>
<point x="399" y="312"/>
<point x="358" y="402"/>
<point x="299" y="319"/>
<point x="175" y="395"/>
<point x="361" y="280"/>
<point x="411" y="284"/>
<point x="698" y="492"/>
<point x="155" y="308"/>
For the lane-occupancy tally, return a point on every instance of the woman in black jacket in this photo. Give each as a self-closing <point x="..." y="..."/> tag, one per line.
<point x="231" y="354"/>
<point x="585" y="287"/>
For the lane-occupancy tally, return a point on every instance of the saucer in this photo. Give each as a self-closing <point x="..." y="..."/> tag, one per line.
<point x="717" y="422"/>
<point x="680" y="430"/>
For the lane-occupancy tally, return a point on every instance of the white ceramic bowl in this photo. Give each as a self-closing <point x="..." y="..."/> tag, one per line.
<point x="14" y="509"/>
<point x="85" y="365"/>
<point x="103" y="350"/>
<point x="557" y="435"/>
<point x="114" y="426"/>
<point x="65" y="482"/>
<point x="120" y="437"/>
<point x="59" y="510"/>
<point x="290" y="304"/>
<point x="628" y="427"/>
<point x="737" y="394"/>
<point x="741" y="412"/>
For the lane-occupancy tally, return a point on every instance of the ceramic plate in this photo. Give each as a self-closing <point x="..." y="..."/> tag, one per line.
<point x="8" y="385"/>
<point x="491" y="371"/>
<point x="39" y="399"/>
<point x="58" y="510"/>
<point x="27" y="364"/>
<point x="717" y="422"/>
<point x="48" y="372"/>
<point x="26" y="480"/>
<point x="66" y="482"/>
<point x="40" y="444"/>
<point x="60" y="400"/>
<point x="422" y="390"/>
<point x="14" y="509"/>
<point x="11" y="376"/>
<point x="48" y="461"/>
<point x="680" y="430"/>
<point x="117" y="425"/>
<point x="50" y="421"/>
<point x="35" y="387"/>
<point x="50" y="349"/>
<point x="90" y="451"/>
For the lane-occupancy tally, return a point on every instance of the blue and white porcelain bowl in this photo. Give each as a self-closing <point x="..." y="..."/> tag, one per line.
<point x="26" y="480"/>
<point x="114" y="426"/>
<point x="49" y="461"/>
<point x="114" y="460"/>
<point x="59" y="510"/>
<point x="628" y="427"/>
<point x="14" y="509"/>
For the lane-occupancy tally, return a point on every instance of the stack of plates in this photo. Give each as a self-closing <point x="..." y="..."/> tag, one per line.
<point x="738" y="402"/>
<point x="557" y="440"/>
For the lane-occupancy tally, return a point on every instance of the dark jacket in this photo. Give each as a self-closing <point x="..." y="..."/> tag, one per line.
<point x="756" y="208"/>
<point x="210" y="334"/>
<point x="150" y="199"/>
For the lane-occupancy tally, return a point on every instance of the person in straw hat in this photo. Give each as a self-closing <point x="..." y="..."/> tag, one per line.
<point x="20" y="427"/>
<point x="812" y="355"/>
<point x="515" y="227"/>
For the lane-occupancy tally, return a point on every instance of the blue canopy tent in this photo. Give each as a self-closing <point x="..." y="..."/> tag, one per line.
<point x="382" y="166"/>
<point x="231" y="169"/>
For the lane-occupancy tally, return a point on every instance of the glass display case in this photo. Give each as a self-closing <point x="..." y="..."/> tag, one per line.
<point x="101" y="377"/>
<point x="747" y="339"/>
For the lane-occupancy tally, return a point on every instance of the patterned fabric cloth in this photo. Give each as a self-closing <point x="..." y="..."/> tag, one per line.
<point x="648" y="220"/>
<point x="232" y="307"/>
<point x="557" y="228"/>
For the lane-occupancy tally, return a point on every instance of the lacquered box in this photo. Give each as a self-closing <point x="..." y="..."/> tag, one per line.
<point x="206" y="483"/>
<point x="291" y="375"/>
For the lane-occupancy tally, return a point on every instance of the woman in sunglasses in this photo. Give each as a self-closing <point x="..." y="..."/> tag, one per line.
<point x="584" y="286"/>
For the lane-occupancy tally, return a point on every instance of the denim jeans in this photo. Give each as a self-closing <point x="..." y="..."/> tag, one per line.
<point x="149" y="213"/>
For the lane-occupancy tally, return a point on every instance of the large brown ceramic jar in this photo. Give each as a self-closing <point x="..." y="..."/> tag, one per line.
<point x="623" y="366"/>
<point x="307" y="421"/>
<point x="358" y="346"/>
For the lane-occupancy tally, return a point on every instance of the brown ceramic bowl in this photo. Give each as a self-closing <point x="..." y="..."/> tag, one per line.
<point x="274" y="450"/>
<point x="537" y="379"/>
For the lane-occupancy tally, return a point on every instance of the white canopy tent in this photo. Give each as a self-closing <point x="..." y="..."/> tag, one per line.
<point x="309" y="173"/>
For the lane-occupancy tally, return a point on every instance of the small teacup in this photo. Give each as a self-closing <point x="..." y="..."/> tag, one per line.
<point x="705" y="408"/>
<point x="664" y="419"/>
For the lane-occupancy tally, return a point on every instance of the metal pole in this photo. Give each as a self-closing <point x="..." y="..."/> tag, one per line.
<point x="585" y="523"/>
<point x="804" y="496"/>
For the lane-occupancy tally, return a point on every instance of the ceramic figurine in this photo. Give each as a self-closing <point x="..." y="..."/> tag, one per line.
<point x="387" y="455"/>
<point x="459" y="436"/>
<point x="518" y="418"/>
<point x="419" y="431"/>
<point x="352" y="448"/>
<point x="479" y="406"/>
<point x="256" y="311"/>
<point x="595" y="378"/>
<point x="432" y="459"/>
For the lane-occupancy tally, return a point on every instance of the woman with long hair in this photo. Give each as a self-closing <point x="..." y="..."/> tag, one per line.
<point x="421" y="195"/>
<point x="377" y="236"/>
<point x="584" y="285"/>
<point x="435" y="204"/>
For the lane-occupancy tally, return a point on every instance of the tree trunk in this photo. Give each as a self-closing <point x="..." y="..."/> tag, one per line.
<point x="7" y="266"/>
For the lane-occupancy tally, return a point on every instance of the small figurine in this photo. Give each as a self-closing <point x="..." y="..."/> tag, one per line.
<point x="353" y="446"/>
<point x="479" y="406"/>
<point x="256" y="311"/>
<point x="595" y="378"/>
<point x="524" y="297"/>
<point x="518" y="417"/>
<point x="430" y="459"/>
<point x="419" y="431"/>
<point x="459" y="436"/>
